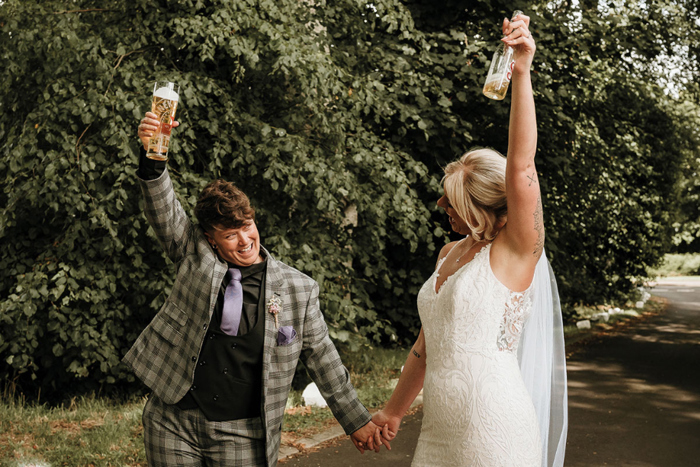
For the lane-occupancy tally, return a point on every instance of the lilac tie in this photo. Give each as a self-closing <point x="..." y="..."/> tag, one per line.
<point x="233" y="303"/>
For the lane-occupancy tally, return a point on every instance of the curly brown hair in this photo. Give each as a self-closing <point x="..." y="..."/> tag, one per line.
<point x="222" y="205"/>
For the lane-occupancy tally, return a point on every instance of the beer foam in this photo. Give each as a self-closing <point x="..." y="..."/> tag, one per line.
<point x="166" y="93"/>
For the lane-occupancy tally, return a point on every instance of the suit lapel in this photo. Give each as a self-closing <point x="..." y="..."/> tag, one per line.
<point x="274" y="285"/>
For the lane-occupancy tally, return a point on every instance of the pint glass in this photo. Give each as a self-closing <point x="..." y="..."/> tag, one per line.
<point x="165" y="98"/>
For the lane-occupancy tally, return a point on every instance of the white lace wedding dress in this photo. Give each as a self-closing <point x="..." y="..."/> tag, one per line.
<point x="477" y="411"/>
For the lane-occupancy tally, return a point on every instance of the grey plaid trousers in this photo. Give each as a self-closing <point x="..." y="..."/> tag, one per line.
<point x="176" y="437"/>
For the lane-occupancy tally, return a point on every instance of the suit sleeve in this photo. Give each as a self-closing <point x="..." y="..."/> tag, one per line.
<point x="328" y="372"/>
<point x="165" y="214"/>
<point x="149" y="169"/>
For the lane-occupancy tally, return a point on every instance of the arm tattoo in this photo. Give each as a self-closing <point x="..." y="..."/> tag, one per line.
<point x="416" y="354"/>
<point x="532" y="178"/>
<point x="539" y="227"/>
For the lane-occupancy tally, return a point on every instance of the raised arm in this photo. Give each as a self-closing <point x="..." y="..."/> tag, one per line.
<point x="524" y="232"/>
<point x="163" y="211"/>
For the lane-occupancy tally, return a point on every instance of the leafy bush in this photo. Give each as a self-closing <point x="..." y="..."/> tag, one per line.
<point x="264" y="105"/>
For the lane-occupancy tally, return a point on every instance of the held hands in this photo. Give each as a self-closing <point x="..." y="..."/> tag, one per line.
<point x="364" y="438"/>
<point x="518" y="36"/>
<point x="387" y="427"/>
<point x="371" y="437"/>
<point x="149" y="124"/>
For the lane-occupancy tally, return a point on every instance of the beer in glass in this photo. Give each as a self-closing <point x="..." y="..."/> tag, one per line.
<point x="165" y="99"/>
<point x="501" y="70"/>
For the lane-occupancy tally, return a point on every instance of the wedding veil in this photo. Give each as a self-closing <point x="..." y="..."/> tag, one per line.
<point x="543" y="364"/>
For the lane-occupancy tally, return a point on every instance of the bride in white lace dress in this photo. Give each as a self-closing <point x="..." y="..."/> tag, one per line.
<point x="477" y="408"/>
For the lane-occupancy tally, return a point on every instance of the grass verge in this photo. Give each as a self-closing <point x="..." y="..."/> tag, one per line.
<point x="98" y="432"/>
<point x="87" y="432"/>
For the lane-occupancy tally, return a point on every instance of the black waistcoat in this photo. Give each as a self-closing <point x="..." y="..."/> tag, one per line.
<point x="228" y="379"/>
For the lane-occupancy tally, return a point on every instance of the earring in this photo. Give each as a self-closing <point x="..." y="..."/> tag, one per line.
<point x="215" y="247"/>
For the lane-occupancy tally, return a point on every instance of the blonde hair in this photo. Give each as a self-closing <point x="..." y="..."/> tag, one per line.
<point x="476" y="188"/>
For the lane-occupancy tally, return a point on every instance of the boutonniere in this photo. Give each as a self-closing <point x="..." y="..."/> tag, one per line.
<point x="274" y="306"/>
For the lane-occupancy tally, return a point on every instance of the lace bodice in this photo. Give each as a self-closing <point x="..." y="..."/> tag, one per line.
<point x="477" y="411"/>
<point x="517" y="309"/>
<point x="502" y="312"/>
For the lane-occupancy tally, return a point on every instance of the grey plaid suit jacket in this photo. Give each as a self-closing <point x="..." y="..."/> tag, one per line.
<point x="165" y="354"/>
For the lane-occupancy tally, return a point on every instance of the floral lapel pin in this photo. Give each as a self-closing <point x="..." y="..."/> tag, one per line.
<point x="274" y="306"/>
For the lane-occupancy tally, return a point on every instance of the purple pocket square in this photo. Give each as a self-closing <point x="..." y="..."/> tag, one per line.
<point x="286" y="335"/>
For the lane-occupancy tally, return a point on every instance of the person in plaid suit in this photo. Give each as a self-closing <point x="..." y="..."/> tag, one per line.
<point x="219" y="399"/>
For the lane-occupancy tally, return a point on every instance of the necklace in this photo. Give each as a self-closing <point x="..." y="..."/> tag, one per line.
<point x="468" y="249"/>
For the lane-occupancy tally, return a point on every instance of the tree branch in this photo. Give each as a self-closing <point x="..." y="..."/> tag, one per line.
<point x="81" y="11"/>
<point x="77" y="144"/>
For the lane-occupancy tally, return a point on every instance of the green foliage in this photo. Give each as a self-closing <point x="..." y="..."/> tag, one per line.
<point x="264" y="105"/>
<point x="335" y="118"/>
<point x="683" y="264"/>
<point x="686" y="228"/>
<point x="613" y="141"/>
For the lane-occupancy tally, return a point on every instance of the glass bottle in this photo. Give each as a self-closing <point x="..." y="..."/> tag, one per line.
<point x="501" y="70"/>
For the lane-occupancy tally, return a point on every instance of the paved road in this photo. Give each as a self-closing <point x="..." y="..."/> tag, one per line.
<point x="634" y="398"/>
